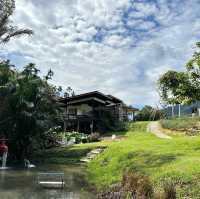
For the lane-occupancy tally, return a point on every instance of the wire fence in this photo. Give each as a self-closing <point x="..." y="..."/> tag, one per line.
<point x="179" y="110"/>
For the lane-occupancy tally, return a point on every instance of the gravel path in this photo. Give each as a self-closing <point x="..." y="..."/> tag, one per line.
<point x="155" y="128"/>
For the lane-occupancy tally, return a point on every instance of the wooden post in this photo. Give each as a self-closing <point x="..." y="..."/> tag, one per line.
<point x="77" y="125"/>
<point x="92" y="126"/>
<point x="172" y="110"/>
<point x="179" y="110"/>
<point x="65" y="119"/>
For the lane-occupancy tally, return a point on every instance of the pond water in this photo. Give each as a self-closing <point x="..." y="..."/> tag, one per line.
<point x="21" y="184"/>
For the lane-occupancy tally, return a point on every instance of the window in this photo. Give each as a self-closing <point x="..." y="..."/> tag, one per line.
<point x="72" y="111"/>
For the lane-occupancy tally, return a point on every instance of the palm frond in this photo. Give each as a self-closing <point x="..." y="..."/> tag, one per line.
<point x="7" y="30"/>
<point x="16" y="33"/>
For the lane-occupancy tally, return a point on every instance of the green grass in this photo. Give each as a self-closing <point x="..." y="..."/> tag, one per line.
<point x="177" y="159"/>
<point x="180" y="123"/>
<point x="67" y="155"/>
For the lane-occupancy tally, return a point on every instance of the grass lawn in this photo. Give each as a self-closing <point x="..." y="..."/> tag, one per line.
<point x="67" y="155"/>
<point x="177" y="159"/>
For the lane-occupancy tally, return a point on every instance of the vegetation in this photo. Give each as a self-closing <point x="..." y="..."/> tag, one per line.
<point x="133" y="185"/>
<point x="137" y="186"/>
<point x="180" y="123"/>
<point x="175" y="160"/>
<point x="28" y="108"/>
<point x="148" y="113"/>
<point x="7" y="30"/>
<point x="107" y="121"/>
<point x="67" y="155"/>
<point x="182" y="87"/>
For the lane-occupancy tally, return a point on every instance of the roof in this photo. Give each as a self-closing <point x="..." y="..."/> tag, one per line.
<point x="130" y="108"/>
<point x="95" y="95"/>
<point x="115" y="99"/>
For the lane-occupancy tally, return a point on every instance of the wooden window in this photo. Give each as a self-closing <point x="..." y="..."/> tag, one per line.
<point x="72" y="111"/>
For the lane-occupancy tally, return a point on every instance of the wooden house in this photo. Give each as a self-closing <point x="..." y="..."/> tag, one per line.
<point x="83" y="112"/>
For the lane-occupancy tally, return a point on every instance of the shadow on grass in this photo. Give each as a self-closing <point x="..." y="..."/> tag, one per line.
<point x="64" y="155"/>
<point x="118" y="133"/>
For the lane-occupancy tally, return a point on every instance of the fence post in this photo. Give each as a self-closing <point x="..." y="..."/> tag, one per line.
<point x="172" y="110"/>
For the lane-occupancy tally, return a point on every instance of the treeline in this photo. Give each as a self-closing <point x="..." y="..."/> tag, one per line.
<point x="148" y="113"/>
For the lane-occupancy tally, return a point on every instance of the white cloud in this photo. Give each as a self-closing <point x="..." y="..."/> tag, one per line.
<point x="105" y="44"/>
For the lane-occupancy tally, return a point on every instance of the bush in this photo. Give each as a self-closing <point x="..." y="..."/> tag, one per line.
<point x="137" y="186"/>
<point x="79" y="137"/>
<point x="133" y="186"/>
<point x="169" y="191"/>
<point x="108" y="122"/>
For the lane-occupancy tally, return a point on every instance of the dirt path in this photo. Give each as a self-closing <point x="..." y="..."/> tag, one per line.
<point x="155" y="128"/>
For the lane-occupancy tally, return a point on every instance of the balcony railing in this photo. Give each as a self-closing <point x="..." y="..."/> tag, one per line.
<point x="75" y="116"/>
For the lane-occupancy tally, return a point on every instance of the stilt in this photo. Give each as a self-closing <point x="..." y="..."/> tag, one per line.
<point x="78" y="126"/>
<point x="92" y="126"/>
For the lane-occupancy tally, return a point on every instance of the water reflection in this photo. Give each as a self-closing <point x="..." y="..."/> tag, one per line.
<point x="21" y="184"/>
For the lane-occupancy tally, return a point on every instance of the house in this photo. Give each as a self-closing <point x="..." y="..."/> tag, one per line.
<point x="85" y="111"/>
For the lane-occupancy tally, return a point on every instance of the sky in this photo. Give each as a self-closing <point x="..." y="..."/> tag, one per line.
<point x="118" y="47"/>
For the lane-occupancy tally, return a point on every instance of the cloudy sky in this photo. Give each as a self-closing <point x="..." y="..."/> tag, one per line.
<point x="119" y="47"/>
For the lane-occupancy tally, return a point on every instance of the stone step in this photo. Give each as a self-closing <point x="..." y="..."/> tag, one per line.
<point x="92" y="154"/>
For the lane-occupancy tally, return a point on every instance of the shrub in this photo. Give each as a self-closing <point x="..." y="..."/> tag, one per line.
<point x="108" y="122"/>
<point x="169" y="190"/>
<point x="79" y="137"/>
<point x="133" y="186"/>
<point x="137" y="186"/>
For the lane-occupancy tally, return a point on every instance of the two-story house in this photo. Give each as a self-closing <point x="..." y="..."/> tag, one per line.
<point x="82" y="112"/>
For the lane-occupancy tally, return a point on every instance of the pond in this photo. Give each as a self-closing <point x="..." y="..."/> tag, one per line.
<point x="21" y="184"/>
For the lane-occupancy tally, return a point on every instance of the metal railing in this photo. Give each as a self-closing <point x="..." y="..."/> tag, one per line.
<point x="51" y="179"/>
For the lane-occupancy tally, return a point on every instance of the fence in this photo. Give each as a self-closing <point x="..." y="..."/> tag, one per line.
<point x="183" y="110"/>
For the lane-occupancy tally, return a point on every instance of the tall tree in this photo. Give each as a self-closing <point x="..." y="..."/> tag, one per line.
<point x="182" y="87"/>
<point x="28" y="108"/>
<point x="7" y="30"/>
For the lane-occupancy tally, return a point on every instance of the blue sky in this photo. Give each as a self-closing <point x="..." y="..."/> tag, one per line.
<point x="119" y="47"/>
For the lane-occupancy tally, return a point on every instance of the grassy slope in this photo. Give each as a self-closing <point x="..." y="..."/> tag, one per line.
<point x="177" y="159"/>
<point x="180" y="123"/>
<point x="67" y="155"/>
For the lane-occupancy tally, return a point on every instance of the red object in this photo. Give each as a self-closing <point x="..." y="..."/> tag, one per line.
<point x="3" y="147"/>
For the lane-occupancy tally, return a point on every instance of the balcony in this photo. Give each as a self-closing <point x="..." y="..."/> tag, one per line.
<point x="78" y="117"/>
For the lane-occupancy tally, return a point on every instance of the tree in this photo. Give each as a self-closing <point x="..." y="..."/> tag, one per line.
<point x="182" y="87"/>
<point x="69" y="92"/>
<point x="28" y="108"/>
<point x="148" y="113"/>
<point x="7" y="31"/>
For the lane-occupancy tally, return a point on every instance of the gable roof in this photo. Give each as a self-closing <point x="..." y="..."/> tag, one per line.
<point x="95" y="95"/>
<point x="115" y="99"/>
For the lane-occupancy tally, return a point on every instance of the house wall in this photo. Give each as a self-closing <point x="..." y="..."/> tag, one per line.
<point x="81" y="109"/>
<point x="130" y="116"/>
<point x="121" y="112"/>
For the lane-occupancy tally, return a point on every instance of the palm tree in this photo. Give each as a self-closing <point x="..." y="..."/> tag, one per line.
<point x="7" y="31"/>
